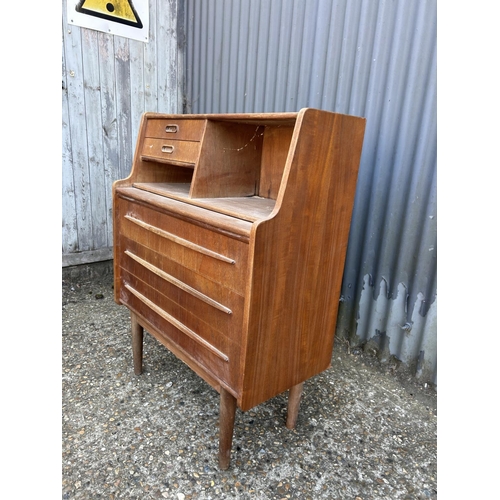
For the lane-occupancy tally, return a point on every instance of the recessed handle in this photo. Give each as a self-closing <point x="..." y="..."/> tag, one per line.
<point x="172" y="129"/>
<point x="167" y="149"/>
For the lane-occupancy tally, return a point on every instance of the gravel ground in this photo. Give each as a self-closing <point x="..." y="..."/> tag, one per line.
<point x="364" y="431"/>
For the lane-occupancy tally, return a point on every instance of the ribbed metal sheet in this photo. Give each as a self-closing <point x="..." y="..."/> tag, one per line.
<point x="369" y="58"/>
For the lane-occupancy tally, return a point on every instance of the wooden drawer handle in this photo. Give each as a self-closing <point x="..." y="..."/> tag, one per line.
<point x="172" y="129"/>
<point x="167" y="149"/>
<point x="180" y="241"/>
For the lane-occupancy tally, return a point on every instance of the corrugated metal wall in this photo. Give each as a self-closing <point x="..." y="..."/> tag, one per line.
<point x="107" y="83"/>
<point x="372" y="58"/>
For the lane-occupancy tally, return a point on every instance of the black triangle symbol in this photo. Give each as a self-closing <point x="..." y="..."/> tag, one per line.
<point x="118" y="11"/>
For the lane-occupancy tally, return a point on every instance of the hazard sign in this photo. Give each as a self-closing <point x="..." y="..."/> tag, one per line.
<point x="128" y="18"/>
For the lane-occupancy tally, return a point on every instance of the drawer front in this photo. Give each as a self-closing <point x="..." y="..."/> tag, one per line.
<point x="218" y="357"/>
<point x="186" y="295"/>
<point x="195" y="250"/>
<point x="181" y="130"/>
<point x="171" y="150"/>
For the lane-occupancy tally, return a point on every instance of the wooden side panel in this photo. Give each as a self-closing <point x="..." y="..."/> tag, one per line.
<point x="229" y="163"/>
<point x="298" y="258"/>
<point x="274" y="154"/>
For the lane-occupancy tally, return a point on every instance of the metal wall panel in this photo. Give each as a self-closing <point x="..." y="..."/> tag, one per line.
<point x="107" y="83"/>
<point x="371" y="58"/>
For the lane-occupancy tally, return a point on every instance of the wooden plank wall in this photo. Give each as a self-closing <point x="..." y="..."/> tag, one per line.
<point x="107" y="83"/>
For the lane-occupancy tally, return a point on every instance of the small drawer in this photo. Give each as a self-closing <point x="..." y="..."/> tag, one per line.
<point x="170" y="150"/>
<point x="180" y="130"/>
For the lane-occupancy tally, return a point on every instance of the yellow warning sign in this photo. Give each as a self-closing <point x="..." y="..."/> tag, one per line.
<point x="127" y="18"/>
<point x="119" y="11"/>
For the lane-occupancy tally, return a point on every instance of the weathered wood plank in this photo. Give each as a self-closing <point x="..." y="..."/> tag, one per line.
<point x="92" y="97"/>
<point x="169" y="98"/>
<point x="150" y="63"/>
<point x="78" y="134"/>
<point x="123" y="105"/>
<point x="79" y="258"/>
<point x="108" y="122"/>
<point x="69" y="229"/>
<point x="137" y="84"/>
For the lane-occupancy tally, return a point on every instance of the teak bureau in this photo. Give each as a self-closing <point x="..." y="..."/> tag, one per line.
<point x="230" y="237"/>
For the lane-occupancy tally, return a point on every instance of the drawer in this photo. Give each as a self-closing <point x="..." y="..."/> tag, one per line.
<point x="183" y="247"/>
<point x="186" y="295"/>
<point x="181" y="130"/>
<point x="215" y="354"/>
<point x="170" y="150"/>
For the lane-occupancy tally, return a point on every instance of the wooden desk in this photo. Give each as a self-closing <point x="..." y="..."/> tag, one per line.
<point x="230" y="237"/>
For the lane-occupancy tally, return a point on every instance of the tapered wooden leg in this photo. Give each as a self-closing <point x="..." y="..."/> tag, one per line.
<point x="137" y="337"/>
<point x="226" y="427"/>
<point x="293" y="405"/>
